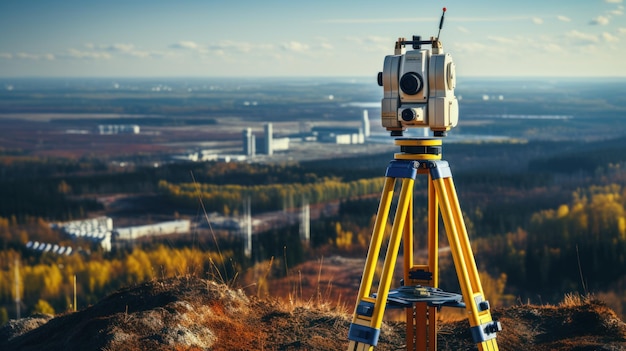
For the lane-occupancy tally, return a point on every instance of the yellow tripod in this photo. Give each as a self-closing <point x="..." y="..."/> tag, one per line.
<point x="419" y="293"/>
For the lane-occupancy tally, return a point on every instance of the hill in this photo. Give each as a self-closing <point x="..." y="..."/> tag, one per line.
<point x="195" y="314"/>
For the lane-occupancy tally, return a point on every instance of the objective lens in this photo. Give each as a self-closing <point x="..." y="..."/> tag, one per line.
<point x="411" y="83"/>
<point x="408" y="115"/>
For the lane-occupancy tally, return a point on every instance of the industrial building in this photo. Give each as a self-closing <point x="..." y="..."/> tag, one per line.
<point x="265" y="146"/>
<point x="47" y="247"/>
<point x="249" y="142"/>
<point x="100" y="230"/>
<point x="97" y="230"/>
<point x="342" y="135"/>
<point x="105" y="129"/>
<point x="339" y="135"/>
<point x="164" y="228"/>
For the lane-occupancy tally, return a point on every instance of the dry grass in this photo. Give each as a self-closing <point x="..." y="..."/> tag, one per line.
<point x="187" y="313"/>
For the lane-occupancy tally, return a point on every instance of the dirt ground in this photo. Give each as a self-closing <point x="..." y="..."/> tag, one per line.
<point x="194" y="314"/>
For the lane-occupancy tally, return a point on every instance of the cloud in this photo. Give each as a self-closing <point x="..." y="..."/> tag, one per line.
<point x="502" y="40"/>
<point x="470" y="47"/>
<point x="147" y="54"/>
<point x="582" y="37"/>
<point x="609" y="38"/>
<point x="295" y="46"/>
<point x="551" y="48"/>
<point x="7" y="56"/>
<point x="600" y="20"/>
<point x="563" y="18"/>
<point x="424" y="20"/>
<point x="613" y="1"/>
<point x="496" y="19"/>
<point x="227" y="49"/>
<point x="462" y="29"/>
<point x="621" y="30"/>
<point x="372" y="43"/>
<point x="616" y="12"/>
<point x="185" y="45"/>
<point x="127" y="48"/>
<point x="378" y="20"/>
<point x="86" y="55"/>
<point x="226" y="46"/>
<point x="93" y="51"/>
<point x="29" y="56"/>
<point x="537" y="20"/>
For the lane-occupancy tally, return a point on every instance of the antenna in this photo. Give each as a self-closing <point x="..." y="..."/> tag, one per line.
<point x="441" y="22"/>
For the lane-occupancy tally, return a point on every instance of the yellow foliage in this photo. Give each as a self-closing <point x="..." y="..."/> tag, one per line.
<point x="99" y="275"/>
<point x="52" y="282"/>
<point x="138" y="267"/>
<point x="41" y="280"/>
<point x="228" y="197"/>
<point x="493" y="288"/>
<point x="563" y="211"/>
<point x="343" y="238"/>
<point x="44" y="307"/>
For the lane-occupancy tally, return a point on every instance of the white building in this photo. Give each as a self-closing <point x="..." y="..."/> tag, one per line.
<point x="339" y="135"/>
<point x="118" y="129"/>
<point x="163" y="228"/>
<point x="280" y="144"/>
<point x="94" y="229"/>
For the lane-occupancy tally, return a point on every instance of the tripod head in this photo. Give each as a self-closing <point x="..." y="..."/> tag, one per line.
<point x="418" y="87"/>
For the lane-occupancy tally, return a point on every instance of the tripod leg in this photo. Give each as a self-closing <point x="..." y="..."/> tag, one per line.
<point x="377" y="239"/>
<point x="360" y="328"/>
<point x="482" y="326"/>
<point x="368" y="316"/>
<point x="433" y="261"/>
<point x="412" y="314"/>
<point x="421" y="320"/>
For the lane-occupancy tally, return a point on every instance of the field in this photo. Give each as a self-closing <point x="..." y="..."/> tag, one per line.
<point x="538" y="164"/>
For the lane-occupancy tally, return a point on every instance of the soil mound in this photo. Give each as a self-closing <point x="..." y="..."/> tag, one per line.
<point x="196" y="314"/>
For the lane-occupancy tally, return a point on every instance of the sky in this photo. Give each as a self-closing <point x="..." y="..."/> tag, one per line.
<point x="292" y="38"/>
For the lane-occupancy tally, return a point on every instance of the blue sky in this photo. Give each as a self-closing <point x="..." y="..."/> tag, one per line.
<point x="284" y="38"/>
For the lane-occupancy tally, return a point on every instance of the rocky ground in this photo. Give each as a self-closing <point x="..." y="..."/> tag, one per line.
<point x="195" y="314"/>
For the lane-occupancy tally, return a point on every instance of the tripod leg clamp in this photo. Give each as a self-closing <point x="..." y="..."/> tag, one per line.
<point x="440" y="169"/>
<point x="486" y="331"/>
<point x="364" y="334"/>
<point x="402" y="169"/>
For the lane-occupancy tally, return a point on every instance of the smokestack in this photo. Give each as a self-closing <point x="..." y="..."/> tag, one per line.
<point x="269" y="145"/>
<point x="248" y="142"/>
<point x="366" y="124"/>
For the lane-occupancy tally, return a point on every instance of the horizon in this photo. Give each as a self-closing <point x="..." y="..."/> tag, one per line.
<point x="278" y="38"/>
<point x="295" y="77"/>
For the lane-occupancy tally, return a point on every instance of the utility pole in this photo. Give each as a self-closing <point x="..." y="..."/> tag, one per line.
<point x="75" y="293"/>
<point x="17" y="288"/>
<point x="305" y="221"/>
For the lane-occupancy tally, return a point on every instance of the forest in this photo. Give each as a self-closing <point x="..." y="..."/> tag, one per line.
<point x="552" y="223"/>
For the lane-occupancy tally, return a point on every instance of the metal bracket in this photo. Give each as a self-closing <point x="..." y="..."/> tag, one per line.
<point x="486" y="331"/>
<point x="439" y="169"/>
<point x="365" y="309"/>
<point x="402" y="169"/>
<point x="361" y="333"/>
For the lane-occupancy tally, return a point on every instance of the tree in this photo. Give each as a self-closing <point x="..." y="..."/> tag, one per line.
<point x="44" y="307"/>
<point x="4" y="316"/>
